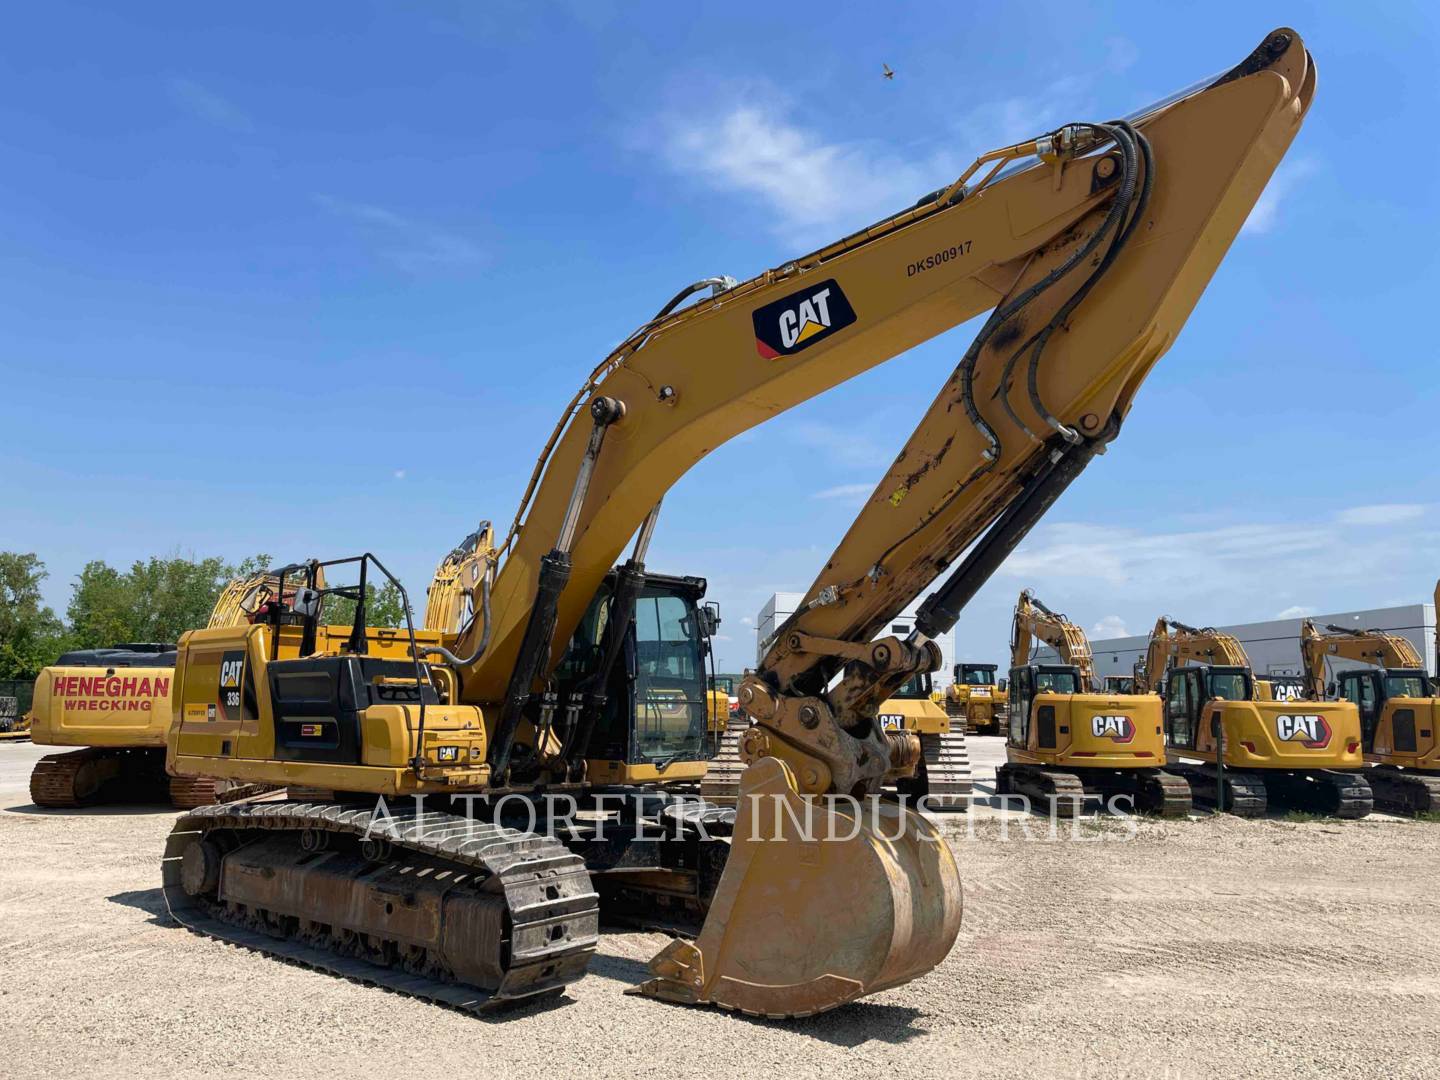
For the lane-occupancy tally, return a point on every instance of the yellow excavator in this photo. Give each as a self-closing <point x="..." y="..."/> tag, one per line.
<point x="1399" y="711"/>
<point x="1304" y="754"/>
<point x="975" y="698"/>
<point x="1089" y="246"/>
<point x="115" y="705"/>
<point x="1066" y="741"/>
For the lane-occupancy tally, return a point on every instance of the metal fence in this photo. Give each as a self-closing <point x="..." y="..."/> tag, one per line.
<point x="15" y="697"/>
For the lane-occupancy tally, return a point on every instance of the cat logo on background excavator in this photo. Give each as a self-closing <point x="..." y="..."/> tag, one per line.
<point x="1119" y="728"/>
<point x="801" y="319"/>
<point x="1309" y="731"/>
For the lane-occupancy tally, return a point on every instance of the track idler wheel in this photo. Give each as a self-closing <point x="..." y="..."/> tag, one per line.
<point x="200" y="869"/>
<point x="800" y="922"/>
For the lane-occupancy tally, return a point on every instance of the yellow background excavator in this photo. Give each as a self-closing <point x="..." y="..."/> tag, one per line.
<point x="1304" y="754"/>
<point x="115" y="705"/>
<point x="1089" y="246"/>
<point x="1066" y="740"/>
<point x="1399" y="712"/>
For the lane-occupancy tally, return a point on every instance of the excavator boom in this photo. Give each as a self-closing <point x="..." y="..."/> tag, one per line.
<point x="1112" y="234"/>
<point x="1034" y="620"/>
<point x="1379" y="648"/>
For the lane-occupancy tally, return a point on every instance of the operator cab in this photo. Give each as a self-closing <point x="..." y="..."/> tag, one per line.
<point x="975" y="674"/>
<point x="656" y="708"/>
<point x="1026" y="684"/>
<point x="916" y="688"/>
<point x="1370" y="688"/>
<point x="1188" y="690"/>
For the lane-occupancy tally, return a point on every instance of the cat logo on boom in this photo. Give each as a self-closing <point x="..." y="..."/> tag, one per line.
<point x="801" y="319"/>
<point x="1310" y="731"/>
<point x="1119" y="728"/>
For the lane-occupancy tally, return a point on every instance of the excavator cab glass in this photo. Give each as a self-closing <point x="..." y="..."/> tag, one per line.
<point x="656" y="704"/>
<point x="1363" y="690"/>
<point x="916" y="688"/>
<point x="1406" y="684"/>
<point x="1230" y="684"/>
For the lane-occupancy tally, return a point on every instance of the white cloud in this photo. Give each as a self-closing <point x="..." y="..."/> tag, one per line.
<point x="843" y="446"/>
<point x="411" y="245"/>
<point x="1004" y="121"/>
<point x="399" y="474"/>
<point x="1295" y="611"/>
<point x="207" y="105"/>
<point x="1380" y="514"/>
<point x="1287" y="178"/>
<point x="1121" y="54"/>
<point x="1111" y="626"/>
<point x="816" y="189"/>
<point x="849" y="494"/>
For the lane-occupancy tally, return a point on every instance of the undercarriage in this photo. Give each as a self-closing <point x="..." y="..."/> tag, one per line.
<point x="1332" y="792"/>
<point x="1404" y="791"/>
<point x="457" y="908"/>
<point x="95" y="775"/>
<point x="1151" y="791"/>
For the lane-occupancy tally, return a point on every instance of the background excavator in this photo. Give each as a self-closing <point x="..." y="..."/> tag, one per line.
<point x="1089" y="246"/>
<point x="1305" y="754"/>
<point x="1066" y="740"/>
<point x="977" y="699"/>
<point x="115" y="704"/>
<point x="1399" y="712"/>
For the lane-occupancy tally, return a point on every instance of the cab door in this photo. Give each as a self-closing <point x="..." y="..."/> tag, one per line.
<point x="1362" y="688"/>
<point x="1022" y="692"/>
<point x="1182" y="706"/>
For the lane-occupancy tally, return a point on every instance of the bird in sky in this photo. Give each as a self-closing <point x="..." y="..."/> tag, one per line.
<point x="888" y="73"/>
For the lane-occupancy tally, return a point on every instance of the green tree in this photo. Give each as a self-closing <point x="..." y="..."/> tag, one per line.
<point x="30" y="634"/>
<point x="155" y="600"/>
<point x="383" y="607"/>
<point x="102" y="607"/>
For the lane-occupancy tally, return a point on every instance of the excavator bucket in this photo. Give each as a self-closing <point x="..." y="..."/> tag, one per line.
<point x="815" y="911"/>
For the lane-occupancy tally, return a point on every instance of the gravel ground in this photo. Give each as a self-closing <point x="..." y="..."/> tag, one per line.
<point x="1213" y="947"/>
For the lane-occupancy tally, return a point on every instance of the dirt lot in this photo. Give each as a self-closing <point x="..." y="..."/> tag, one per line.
<point x="1202" y="948"/>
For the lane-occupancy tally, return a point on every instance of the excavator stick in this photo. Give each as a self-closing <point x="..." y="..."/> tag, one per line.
<point x="818" y="905"/>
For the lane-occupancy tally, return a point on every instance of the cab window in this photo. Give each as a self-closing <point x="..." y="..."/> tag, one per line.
<point x="1404" y="686"/>
<point x="915" y="688"/>
<point x="1055" y="682"/>
<point x="977" y="676"/>
<point x="1227" y="686"/>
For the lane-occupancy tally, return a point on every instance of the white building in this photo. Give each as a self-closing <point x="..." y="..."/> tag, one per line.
<point x="1274" y="646"/>
<point x="781" y="606"/>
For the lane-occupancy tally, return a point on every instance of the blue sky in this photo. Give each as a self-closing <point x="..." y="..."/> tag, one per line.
<point x="310" y="279"/>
